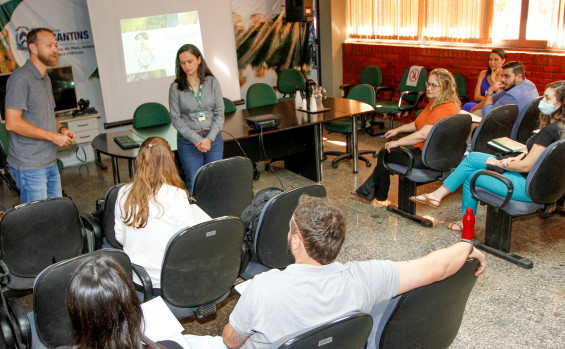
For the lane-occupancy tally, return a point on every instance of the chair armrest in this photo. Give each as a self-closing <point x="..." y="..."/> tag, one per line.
<point x="92" y="224"/>
<point x="495" y="175"/>
<point x="380" y="89"/>
<point x="407" y="106"/>
<point x="345" y="88"/>
<point x="18" y="314"/>
<point x="145" y="281"/>
<point x="245" y="256"/>
<point x="410" y="164"/>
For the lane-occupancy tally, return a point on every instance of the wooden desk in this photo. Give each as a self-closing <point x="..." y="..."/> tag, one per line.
<point x="297" y="140"/>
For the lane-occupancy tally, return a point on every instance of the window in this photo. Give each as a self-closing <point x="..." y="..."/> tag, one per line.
<point x="517" y="23"/>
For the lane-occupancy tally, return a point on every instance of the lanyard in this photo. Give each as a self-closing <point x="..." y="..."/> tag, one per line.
<point x="197" y="96"/>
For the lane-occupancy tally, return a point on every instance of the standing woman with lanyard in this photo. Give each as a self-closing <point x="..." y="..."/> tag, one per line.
<point x="197" y="112"/>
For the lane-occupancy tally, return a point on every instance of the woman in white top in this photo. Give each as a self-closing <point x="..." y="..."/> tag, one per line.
<point x="152" y="207"/>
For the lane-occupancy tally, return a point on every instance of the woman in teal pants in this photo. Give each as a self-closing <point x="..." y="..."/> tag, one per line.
<point x="552" y="124"/>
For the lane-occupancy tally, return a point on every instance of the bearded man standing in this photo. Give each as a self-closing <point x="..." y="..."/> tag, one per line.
<point x="33" y="130"/>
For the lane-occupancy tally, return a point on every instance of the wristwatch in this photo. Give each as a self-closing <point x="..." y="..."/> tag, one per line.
<point x="489" y="94"/>
<point x="469" y="242"/>
<point x="60" y="128"/>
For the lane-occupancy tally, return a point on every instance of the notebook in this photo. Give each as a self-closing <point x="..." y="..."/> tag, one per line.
<point x="509" y="145"/>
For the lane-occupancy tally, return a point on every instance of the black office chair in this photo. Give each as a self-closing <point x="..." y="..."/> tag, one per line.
<point x="545" y="185"/>
<point x="443" y="151"/>
<point x="50" y="323"/>
<point x="37" y="234"/>
<point x="224" y="187"/>
<point x="349" y="331"/>
<point x="429" y="316"/>
<point x="362" y="93"/>
<point x="524" y="127"/>
<point x="15" y="330"/>
<point x="497" y="123"/>
<point x="200" y="266"/>
<point x="101" y="223"/>
<point x="267" y="247"/>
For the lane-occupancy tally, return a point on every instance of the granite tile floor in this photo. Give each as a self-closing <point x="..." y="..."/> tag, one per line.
<point x="510" y="307"/>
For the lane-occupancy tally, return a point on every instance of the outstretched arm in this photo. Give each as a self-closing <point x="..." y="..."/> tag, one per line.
<point x="437" y="266"/>
<point x="232" y="339"/>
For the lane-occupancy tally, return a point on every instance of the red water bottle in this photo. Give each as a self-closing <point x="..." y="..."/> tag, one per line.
<point x="468" y="225"/>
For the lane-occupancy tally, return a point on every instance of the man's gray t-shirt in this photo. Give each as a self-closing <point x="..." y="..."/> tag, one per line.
<point x="278" y="303"/>
<point x="32" y="93"/>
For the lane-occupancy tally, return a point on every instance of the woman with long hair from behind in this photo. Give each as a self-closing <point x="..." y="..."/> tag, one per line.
<point x="152" y="207"/>
<point x="104" y="309"/>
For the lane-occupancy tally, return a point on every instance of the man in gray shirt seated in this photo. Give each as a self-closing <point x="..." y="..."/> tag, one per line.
<point x="33" y="131"/>
<point x="316" y="289"/>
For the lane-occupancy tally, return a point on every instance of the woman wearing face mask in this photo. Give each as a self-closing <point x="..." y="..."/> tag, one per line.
<point x="552" y="125"/>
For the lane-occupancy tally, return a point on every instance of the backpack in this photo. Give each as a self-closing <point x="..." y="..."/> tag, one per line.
<point x="251" y="214"/>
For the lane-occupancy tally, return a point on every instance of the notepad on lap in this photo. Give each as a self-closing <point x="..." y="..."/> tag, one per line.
<point x="161" y="324"/>
<point x="510" y="145"/>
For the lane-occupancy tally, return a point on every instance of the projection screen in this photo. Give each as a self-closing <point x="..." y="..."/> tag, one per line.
<point x="136" y="44"/>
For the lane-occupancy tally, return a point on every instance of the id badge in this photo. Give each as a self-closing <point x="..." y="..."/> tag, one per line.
<point x="201" y="115"/>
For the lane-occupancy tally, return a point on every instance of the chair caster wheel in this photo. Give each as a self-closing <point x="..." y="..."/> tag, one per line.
<point x="256" y="175"/>
<point x="335" y="164"/>
<point x="375" y="155"/>
<point x="368" y="164"/>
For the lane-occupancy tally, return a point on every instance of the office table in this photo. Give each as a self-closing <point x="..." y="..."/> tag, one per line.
<point x="297" y="140"/>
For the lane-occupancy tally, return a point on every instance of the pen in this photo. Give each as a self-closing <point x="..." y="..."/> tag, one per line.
<point x="383" y="136"/>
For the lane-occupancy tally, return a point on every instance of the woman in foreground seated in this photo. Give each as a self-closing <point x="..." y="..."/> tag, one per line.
<point x="104" y="309"/>
<point x="552" y="125"/>
<point x="488" y="77"/>
<point x="443" y="101"/>
<point x="151" y="208"/>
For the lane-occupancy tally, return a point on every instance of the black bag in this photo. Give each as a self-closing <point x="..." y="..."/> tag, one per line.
<point x="251" y="214"/>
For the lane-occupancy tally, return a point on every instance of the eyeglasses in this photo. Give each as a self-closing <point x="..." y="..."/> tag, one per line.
<point x="431" y="86"/>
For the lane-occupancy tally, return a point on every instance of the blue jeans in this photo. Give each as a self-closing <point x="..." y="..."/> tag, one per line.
<point x="192" y="159"/>
<point x="38" y="184"/>
<point x="473" y="163"/>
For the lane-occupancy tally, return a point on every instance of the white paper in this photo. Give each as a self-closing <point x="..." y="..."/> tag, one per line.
<point x="240" y="288"/>
<point x="199" y="215"/>
<point x="474" y="117"/>
<point x="161" y="324"/>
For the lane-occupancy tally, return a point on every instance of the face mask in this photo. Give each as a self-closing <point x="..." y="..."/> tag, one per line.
<point x="546" y="108"/>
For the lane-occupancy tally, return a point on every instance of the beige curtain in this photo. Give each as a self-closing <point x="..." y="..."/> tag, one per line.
<point x="467" y="21"/>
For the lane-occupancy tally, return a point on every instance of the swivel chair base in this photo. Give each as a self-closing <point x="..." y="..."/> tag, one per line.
<point x="346" y="156"/>
<point x="497" y="238"/>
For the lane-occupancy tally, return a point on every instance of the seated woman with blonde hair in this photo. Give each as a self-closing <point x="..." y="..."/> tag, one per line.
<point x="552" y="124"/>
<point x="441" y="91"/>
<point x="152" y="207"/>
